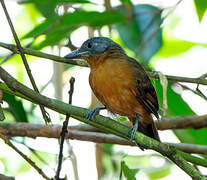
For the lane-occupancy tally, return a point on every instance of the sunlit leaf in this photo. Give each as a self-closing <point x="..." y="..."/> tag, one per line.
<point x="128" y="173"/>
<point x="159" y="173"/>
<point x="201" y="7"/>
<point x="15" y="107"/>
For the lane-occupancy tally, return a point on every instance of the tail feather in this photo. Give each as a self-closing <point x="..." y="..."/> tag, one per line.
<point x="150" y="130"/>
<point x="147" y="126"/>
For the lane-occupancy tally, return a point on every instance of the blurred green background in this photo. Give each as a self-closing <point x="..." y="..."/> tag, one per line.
<point x="165" y="36"/>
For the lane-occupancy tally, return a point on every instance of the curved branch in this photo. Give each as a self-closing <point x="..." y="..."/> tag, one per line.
<point x="76" y="132"/>
<point x="182" y="122"/>
<point x="103" y="123"/>
<point x="154" y="74"/>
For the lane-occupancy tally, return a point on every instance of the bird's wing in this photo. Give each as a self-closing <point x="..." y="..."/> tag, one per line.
<point x="144" y="90"/>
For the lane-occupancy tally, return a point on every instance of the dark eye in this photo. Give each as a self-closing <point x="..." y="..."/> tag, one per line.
<point x="90" y="45"/>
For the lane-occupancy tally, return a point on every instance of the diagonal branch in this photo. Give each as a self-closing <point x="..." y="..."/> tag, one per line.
<point x="19" y="47"/>
<point x="175" y="122"/>
<point x="103" y="123"/>
<point x="7" y="141"/>
<point x="82" y="63"/>
<point x="64" y="130"/>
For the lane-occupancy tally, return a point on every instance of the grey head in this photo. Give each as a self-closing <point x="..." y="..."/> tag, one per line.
<point x="93" y="46"/>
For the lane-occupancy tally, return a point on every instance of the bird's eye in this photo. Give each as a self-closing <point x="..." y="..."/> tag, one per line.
<point x="90" y="45"/>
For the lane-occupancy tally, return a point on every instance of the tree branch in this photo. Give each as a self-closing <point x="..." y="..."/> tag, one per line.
<point x="103" y="123"/>
<point x="182" y="122"/>
<point x="53" y="131"/>
<point x="155" y="75"/>
<point x="79" y="133"/>
<point x="19" y="47"/>
<point x="7" y="141"/>
<point x="175" y="122"/>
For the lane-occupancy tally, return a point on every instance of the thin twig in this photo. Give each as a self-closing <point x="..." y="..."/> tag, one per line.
<point x="44" y="112"/>
<point x="64" y="130"/>
<point x="73" y="160"/>
<point x="7" y="141"/>
<point x="197" y="91"/>
<point x="33" y="151"/>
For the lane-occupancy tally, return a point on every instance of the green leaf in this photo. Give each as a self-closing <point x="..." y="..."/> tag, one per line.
<point x="126" y="2"/>
<point x="142" y="34"/>
<point x="168" y="49"/>
<point x="159" y="173"/>
<point x="201" y="6"/>
<point x="128" y="173"/>
<point x="48" y="8"/>
<point x="178" y="107"/>
<point x="60" y="27"/>
<point x="15" y="107"/>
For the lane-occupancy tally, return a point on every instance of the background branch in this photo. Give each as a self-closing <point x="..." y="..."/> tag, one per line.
<point x="7" y="141"/>
<point x="53" y="131"/>
<point x="103" y="123"/>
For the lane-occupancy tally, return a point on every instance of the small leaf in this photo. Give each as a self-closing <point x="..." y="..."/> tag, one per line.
<point x="122" y="119"/>
<point x="201" y="6"/>
<point x="16" y="107"/>
<point x="128" y="173"/>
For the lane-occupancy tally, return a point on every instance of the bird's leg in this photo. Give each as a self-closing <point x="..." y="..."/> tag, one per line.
<point x="93" y="112"/>
<point x="134" y="128"/>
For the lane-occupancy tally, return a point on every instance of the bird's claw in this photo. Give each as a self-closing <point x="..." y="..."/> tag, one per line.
<point x="134" y="129"/>
<point x="93" y="112"/>
<point x="132" y="132"/>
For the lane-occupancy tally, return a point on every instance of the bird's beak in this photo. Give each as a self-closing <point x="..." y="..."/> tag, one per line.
<point x="77" y="54"/>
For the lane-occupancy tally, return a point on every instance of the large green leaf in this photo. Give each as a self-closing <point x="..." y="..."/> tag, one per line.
<point x="128" y="173"/>
<point x="15" y="107"/>
<point x="173" y="47"/>
<point x="142" y="34"/>
<point x="201" y="6"/>
<point x="60" y="27"/>
<point x="178" y="107"/>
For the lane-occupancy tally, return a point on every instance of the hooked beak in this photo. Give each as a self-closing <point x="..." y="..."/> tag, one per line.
<point x="77" y="54"/>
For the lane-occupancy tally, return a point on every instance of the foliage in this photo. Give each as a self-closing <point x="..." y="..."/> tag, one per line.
<point x="137" y="28"/>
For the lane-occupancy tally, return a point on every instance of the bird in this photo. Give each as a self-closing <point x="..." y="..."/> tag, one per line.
<point x="120" y="83"/>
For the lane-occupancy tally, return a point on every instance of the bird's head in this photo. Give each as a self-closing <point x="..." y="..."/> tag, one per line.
<point x="96" y="49"/>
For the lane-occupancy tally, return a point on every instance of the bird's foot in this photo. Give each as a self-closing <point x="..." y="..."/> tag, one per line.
<point x="93" y="112"/>
<point x="133" y="130"/>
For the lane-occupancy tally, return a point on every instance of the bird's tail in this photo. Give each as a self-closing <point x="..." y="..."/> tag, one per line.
<point x="149" y="128"/>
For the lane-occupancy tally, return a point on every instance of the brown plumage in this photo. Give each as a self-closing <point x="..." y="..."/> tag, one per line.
<point x="120" y="83"/>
